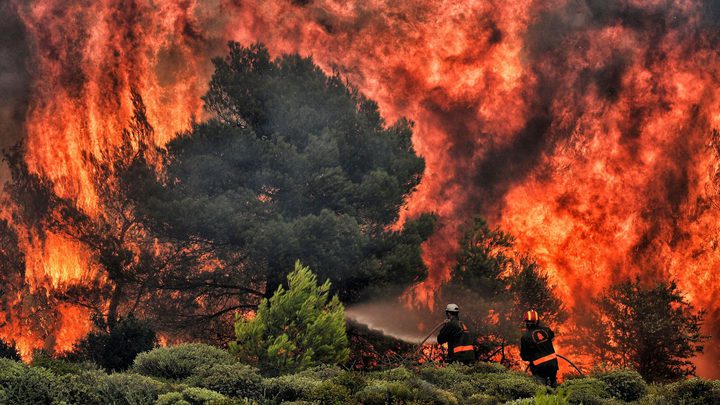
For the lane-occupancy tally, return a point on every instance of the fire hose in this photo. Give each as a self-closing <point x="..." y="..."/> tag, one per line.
<point x="421" y="344"/>
<point x="438" y="326"/>
<point x="568" y="361"/>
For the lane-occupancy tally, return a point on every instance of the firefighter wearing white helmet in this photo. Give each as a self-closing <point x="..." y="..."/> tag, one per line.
<point x="457" y="336"/>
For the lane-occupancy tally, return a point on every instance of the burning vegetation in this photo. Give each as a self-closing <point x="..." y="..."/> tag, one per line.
<point x="147" y="180"/>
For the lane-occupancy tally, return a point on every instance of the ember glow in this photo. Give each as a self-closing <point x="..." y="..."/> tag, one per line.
<point x="582" y="127"/>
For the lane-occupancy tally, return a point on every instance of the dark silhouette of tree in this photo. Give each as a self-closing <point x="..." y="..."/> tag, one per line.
<point x="648" y="327"/>
<point x="296" y="165"/>
<point x="115" y="349"/>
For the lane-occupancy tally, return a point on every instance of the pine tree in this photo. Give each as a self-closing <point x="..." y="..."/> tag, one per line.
<point x="295" y="329"/>
<point x="647" y="327"/>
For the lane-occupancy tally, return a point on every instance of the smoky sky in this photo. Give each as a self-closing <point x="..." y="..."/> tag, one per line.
<point x="14" y="79"/>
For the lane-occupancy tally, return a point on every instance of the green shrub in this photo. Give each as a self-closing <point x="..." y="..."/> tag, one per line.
<point x="653" y="399"/>
<point x="545" y="399"/>
<point x="394" y="374"/>
<point x="322" y="372"/>
<point x="445" y="377"/>
<point x="296" y="328"/>
<point x="482" y="367"/>
<point x="129" y="389"/>
<point x="57" y="366"/>
<point x="464" y="389"/>
<point x="481" y="399"/>
<point x="202" y="396"/>
<point x="172" y="398"/>
<point x="507" y="386"/>
<point x="522" y="401"/>
<point x="25" y="385"/>
<point x="353" y="381"/>
<point x="233" y="380"/>
<point x="115" y="348"/>
<point x="627" y="385"/>
<point x="694" y="391"/>
<point x="328" y="392"/>
<point x="289" y="387"/>
<point x="383" y="392"/>
<point x="407" y="391"/>
<point x="180" y="362"/>
<point x="81" y="388"/>
<point x="586" y="391"/>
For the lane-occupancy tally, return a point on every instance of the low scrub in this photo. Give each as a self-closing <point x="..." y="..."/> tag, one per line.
<point x="192" y="396"/>
<point x="586" y="391"/>
<point x="180" y="362"/>
<point x="624" y="384"/>
<point x="25" y="385"/>
<point x="694" y="391"/>
<point x="232" y="380"/>
<point x="201" y="375"/>
<point x="129" y="389"/>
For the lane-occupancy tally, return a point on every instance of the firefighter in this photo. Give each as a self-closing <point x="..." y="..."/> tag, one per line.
<point x="537" y="348"/>
<point x="457" y="336"/>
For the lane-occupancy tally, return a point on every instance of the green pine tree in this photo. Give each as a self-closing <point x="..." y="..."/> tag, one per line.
<point x="295" y="329"/>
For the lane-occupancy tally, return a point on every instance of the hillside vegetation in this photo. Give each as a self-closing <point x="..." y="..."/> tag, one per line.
<point x="201" y="374"/>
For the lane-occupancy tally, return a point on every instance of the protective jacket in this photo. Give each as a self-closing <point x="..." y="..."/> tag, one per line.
<point x="537" y="348"/>
<point x="459" y="341"/>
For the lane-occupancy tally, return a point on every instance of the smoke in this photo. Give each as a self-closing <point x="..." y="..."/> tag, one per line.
<point x="14" y="80"/>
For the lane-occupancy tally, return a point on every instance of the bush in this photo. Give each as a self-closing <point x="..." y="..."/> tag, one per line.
<point x="322" y="372"/>
<point x="202" y="396"/>
<point x="25" y="385"/>
<point x="328" y="392"/>
<point x="353" y="381"/>
<point x="586" y="391"/>
<point x="481" y="399"/>
<point x="482" y="367"/>
<point x="57" y="366"/>
<point x="180" y="362"/>
<point x="394" y="374"/>
<point x="447" y="377"/>
<point x="130" y="389"/>
<point x="507" y="386"/>
<point x="233" y="380"/>
<point x="296" y="329"/>
<point x="172" y="398"/>
<point x="81" y="388"/>
<point x="290" y="387"/>
<point x="627" y="385"/>
<point x="694" y="391"/>
<point x="114" y="349"/>
<point x="382" y="392"/>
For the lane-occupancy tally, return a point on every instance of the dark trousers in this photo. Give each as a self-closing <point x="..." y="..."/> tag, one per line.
<point x="546" y="377"/>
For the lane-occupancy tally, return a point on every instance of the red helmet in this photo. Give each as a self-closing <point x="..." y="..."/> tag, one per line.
<point x="532" y="316"/>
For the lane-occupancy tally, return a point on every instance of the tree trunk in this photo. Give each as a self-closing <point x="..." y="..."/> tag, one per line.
<point x="112" y="316"/>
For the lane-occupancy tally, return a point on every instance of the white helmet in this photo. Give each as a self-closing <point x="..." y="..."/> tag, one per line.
<point x="452" y="308"/>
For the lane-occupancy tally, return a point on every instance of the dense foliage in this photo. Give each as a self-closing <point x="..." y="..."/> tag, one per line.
<point x="647" y="327"/>
<point x="295" y="329"/>
<point x="236" y="383"/>
<point x="115" y="348"/>
<point x="296" y="165"/>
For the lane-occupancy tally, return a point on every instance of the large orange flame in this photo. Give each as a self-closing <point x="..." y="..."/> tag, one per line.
<point x="581" y="127"/>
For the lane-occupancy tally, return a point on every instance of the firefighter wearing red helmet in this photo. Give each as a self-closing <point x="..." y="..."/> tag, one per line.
<point x="457" y="336"/>
<point x="537" y="348"/>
